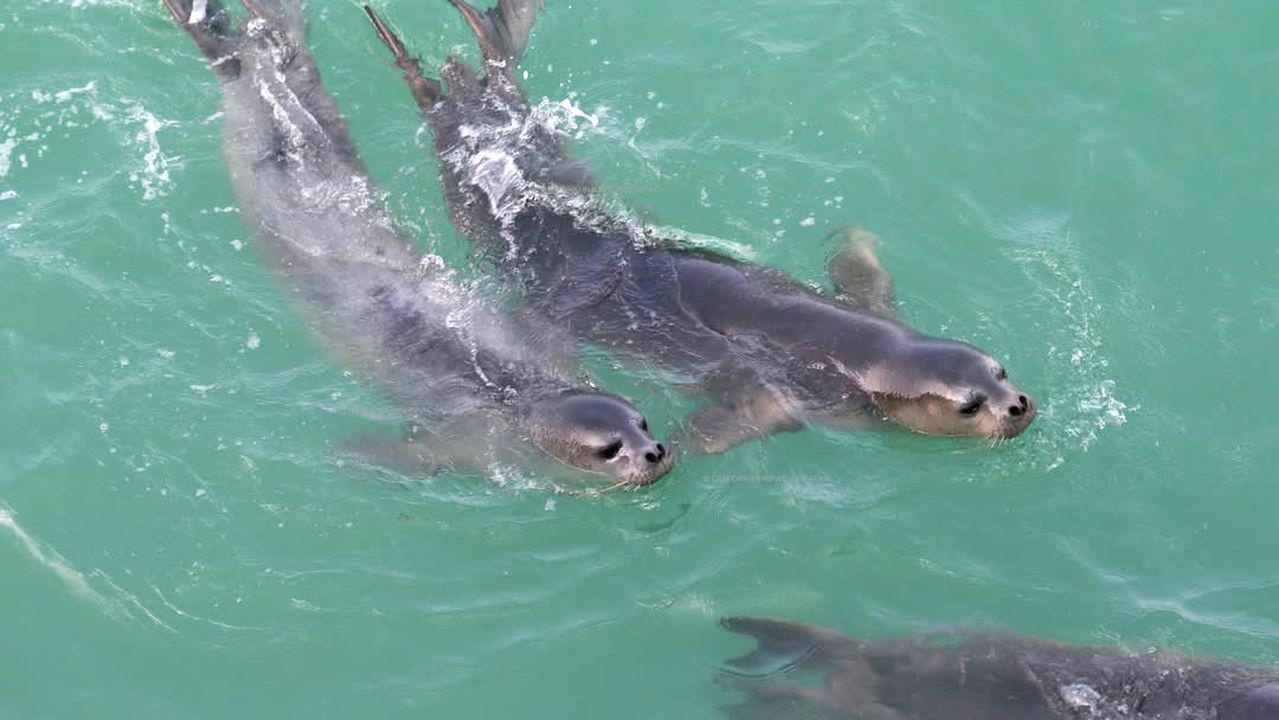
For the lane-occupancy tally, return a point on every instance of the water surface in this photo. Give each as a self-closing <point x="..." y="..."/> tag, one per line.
<point x="1087" y="192"/>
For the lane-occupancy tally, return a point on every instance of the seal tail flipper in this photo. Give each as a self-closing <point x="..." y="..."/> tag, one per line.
<point x="426" y="91"/>
<point x="782" y="645"/>
<point x="207" y="23"/>
<point x="859" y="278"/>
<point x="502" y="31"/>
<point x="302" y="76"/>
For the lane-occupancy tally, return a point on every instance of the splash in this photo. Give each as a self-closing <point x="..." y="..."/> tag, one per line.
<point x="29" y="131"/>
<point x="1091" y="403"/>
<point x="6" y="151"/>
<point x="153" y="177"/>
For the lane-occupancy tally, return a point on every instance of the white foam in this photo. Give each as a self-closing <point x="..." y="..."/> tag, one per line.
<point x="6" y="150"/>
<point x="153" y="176"/>
<point x="199" y="11"/>
<point x="74" y="580"/>
<point x="1091" y="403"/>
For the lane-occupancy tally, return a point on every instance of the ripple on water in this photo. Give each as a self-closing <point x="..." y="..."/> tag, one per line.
<point x="33" y="122"/>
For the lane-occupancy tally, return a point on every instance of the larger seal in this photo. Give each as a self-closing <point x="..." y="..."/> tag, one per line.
<point x="770" y="352"/>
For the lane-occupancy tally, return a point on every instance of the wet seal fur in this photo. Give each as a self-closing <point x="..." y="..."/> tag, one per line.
<point x="772" y="353"/>
<point x="476" y="385"/>
<point x="981" y="676"/>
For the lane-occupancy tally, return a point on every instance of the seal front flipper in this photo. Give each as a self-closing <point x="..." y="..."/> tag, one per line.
<point x="746" y="414"/>
<point x="859" y="278"/>
<point x="412" y="454"/>
<point x="783" y="645"/>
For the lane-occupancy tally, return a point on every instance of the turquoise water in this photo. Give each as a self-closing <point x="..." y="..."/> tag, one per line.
<point x="1086" y="191"/>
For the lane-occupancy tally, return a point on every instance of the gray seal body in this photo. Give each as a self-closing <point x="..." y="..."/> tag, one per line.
<point x="981" y="676"/>
<point x="773" y="353"/>
<point x="468" y="377"/>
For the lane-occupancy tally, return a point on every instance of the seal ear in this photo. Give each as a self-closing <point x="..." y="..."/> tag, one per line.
<point x="859" y="278"/>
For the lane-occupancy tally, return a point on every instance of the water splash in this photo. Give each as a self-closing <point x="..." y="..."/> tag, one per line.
<point x="29" y="133"/>
<point x="1091" y="402"/>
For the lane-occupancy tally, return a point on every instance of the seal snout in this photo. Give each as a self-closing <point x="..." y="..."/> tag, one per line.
<point x="648" y="462"/>
<point x="655" y="454"/>
<point x="1022" y="406"/>
<point x="1020" y="414"/>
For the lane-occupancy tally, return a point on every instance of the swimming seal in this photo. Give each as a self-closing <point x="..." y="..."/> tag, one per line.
<point x="771" y="352"/>
<point x="473" y="383"/>
<point x="981" y="676"/>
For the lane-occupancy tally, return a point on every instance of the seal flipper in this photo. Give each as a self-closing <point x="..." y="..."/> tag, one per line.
<point x="501" y="31"/>
<point x="859" y="278"/>
<point x="747" y="413"/>
<point x="426" y="91"/>
<point x="410" y="455"/>
<point x="292" y="58"/>
<point x="792" y="644"/>
<point x="208" y="24"/>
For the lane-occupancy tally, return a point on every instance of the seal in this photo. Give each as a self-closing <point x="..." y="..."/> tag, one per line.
<point x="991" y="676"/>
<point x="772" y="353"/>
<point x="474" y="383"/>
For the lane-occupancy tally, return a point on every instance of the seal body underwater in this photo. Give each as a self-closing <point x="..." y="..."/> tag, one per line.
<point x="469" y="378"/>
<point x="774" y="354"/>
<point x="981" y="676"/>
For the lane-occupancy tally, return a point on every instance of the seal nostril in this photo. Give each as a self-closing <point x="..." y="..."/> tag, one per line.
<point x="1025" y="402"/>
<point x="1015" y="410"/>
<point x="656" y="455"/>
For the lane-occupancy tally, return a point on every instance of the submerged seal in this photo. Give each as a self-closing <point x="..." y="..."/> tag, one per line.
<point x="772" y="353"/>
<point x="982" y="676"/>
<point x="472" y="381"/>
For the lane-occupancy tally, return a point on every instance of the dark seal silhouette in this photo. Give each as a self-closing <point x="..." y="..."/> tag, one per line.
<point x="980" y="676"/>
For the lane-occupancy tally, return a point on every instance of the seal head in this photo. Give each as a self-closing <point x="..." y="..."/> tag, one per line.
<point x="599" y="433"/>
<point x="947" y="387"/>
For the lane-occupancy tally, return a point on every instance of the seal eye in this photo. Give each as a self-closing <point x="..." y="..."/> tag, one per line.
<point x="971" y="407"/>
<point x="644" y="424"/>
<point x="1001" y="374"/>
<point x="610" y="451"/>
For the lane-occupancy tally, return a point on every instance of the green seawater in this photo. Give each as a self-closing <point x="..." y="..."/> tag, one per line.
<point x="1087" y="190"/>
